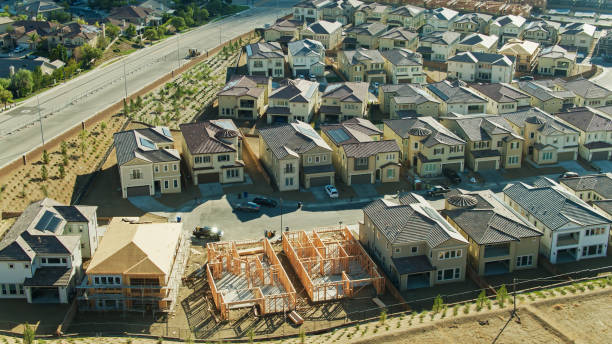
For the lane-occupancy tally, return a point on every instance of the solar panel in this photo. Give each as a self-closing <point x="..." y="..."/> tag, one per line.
<point x="339" y="135"/>
<point x="307" y="131"/>
<point x="147" y="143"/>
<point x="166" y="131"/>
<point x="52" y="226"/>
<point x="225" y="125"/>
<point x="44" y="220"/>
<point x="437" y="92"/>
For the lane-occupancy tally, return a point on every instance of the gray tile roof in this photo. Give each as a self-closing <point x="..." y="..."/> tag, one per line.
<point x="306" y="47"/>
<point x="264" y="50"/>
<point x="411" y="223"/>
<point x="351" y="131"/>
<point x="478" y="38"/>
<point x="552" y="205"/>
<point x="556" y="52"/>
<point x="292" y="139"/>
<point x="584" y="88"/>
<point x="537" y="90"/>
<point x="367" y="28"/>
<point x="347" y="91"/>
<point x="510" y="19"/>
<point x="439" y="133"/>
<point x="407" y="11"/>
<point x="140" y="143"/>
<point x="441" y="37"/>
<point x="586" y="120"/>
<point x="399" y="34"/>
<point x="49" y="277"/>
<point x="205" y="137"/>
<point x="366" y="149"/>
<point x="358" y="56"/>
<point x="412" y="264"/>
<point x="298" y="91"/>
<point x="482" y="128"/>
<point x="409" y="94"/>
<point x="601" y="183"/>
<point x="605" y="205"/>
<point x="455" y="93"/>
<point x="323" y="27"/>
<point x="495" y="222"/>
<point x="403" y="57"/>
<point x="500" y="92"/>
<point x="548" y="124"/>
<point x="475" y="57"/>
<point x="442" y="13"/>
<point x="244" y="85"/>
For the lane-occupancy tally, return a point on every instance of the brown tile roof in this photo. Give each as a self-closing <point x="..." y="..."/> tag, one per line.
<point x="366" y="149"/>
<point x="202" y="137"/>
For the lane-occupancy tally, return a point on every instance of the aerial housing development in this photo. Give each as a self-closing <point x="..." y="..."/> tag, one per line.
<point x="305" y="171"/>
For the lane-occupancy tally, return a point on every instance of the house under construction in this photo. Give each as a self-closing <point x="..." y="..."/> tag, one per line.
<point x="247" y="274"/>
<point x="330" y="263"/>
<point x="137" y="267"/>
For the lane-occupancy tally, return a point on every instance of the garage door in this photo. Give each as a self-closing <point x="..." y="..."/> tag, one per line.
<point x="404" y="81"/>
<point x="208" y="178"/>
<point x="320" y="181"/>
<point x="486" y="165"/>
<point x="454" y="166"/>
<point x="565" y="156"/>
<point x="599" y="156"/>
<point x="378" y="79"/>
<point x="138" y="191"/>
<point x="361" y="178"/>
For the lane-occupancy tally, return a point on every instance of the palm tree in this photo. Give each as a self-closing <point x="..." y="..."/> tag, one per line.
<point x="34" y="38"/>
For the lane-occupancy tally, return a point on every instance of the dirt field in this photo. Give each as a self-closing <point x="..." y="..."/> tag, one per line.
<point x="579" y="318"/>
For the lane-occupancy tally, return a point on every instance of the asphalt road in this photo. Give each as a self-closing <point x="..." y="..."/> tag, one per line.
<point x="67" y="105"/>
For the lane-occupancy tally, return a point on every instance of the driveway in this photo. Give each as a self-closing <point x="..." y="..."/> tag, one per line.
<point x="365" y="190"/>
<point x="604" y="165"/>
<point x="149" y="204"/>
<point x="211" y="190"/>
<point x="319" y="193"/>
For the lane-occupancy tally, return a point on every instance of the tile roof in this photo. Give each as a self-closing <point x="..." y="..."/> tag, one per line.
<point x="368" y="28"/>
<point x="347" y="91"/>
<point x="543" y="25"/>
<point x="206" y="137"/>
<point x="285" y="25"/>
<point x="403" y="57"/>
<point x="353" y="130"/>
<point x="441" y="37"/>
<point x="412" y="264"/>
<point x="323" y="27"/>
<point x="442" y="13"/>
<point x="473" y="18"/>
<point x="482" y="128"/>
<point x="480" y="39"/>
<point x="140" y="143"/>
<point x="500" y="92"/>
<point x="601" y="183"/>
<point x="605" y="205"/>
<point x="439" y="133"/>
<point x="519" y="47"/>
<point x="556" y="52"/>
<point x="264" y="50"/>
<point x="298" y="91"/>
<point x="407" y="11"/>
<point x="518" y="21"/>
<point x="548" y="124"/>
<point x="454" y="92"/>
<point x="292" y="139"/>
<point x="411" y="223"/>
<point x="306" y="47"/>
<point x="357" y="56"/>
<point x="491" y="223"/>
<point x="49" y="277"/>
<point x="584" y="88"/>
<point x="538" y="90"/>
<point x="576" y="28"/>
<point x="399" y="33"/>
<point x="244" y="85"/>
<point x="476" y="57"/>
<point x="585" y="119"/>
<point x="366" y="149"/>
<point x="553" y="206"/>
<point x="408" y="94"/>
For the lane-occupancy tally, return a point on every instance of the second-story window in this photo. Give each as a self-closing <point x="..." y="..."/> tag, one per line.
<point x="223" y="157"/>
<point x="136" y="174"/>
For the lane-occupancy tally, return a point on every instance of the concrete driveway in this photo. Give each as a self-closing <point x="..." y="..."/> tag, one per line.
<point x="319" y="192"/>
<point x="604" y="165"/>
<point x="210" y="190"/>
<point x="365" y="190"/>
<point x="149" y="204"/>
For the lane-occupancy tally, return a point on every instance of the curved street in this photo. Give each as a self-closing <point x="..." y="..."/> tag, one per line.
<point x="68" y="104"/>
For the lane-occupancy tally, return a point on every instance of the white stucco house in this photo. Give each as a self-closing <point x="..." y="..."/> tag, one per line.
<point x="306" y="57"/>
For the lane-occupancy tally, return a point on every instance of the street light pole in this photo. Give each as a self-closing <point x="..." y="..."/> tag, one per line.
<point x="42" y="136"/>
<point x="124" y="81"/>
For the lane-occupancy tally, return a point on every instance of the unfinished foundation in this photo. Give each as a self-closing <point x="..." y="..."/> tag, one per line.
<point x="247" y="274"/>
<point x="330" y="263"/>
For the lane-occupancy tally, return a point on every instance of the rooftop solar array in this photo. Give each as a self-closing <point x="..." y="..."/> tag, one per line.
<point x="147" y="143"/>
<point x="166" y="131"/>
<point x="48" y="222"/>
<point x="339" y="135"/>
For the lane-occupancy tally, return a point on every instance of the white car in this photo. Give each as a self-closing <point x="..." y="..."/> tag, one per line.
<point x="331" y="190"/>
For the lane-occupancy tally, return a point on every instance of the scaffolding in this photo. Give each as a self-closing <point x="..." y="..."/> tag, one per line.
<point x="330" y="263"/>
<point x="133" y="297"/>
<point x="247" y="274"/>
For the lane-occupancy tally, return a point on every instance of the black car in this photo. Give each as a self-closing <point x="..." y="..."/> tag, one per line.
<point x="266" y="202"/>
<point x="452" y="175"/>
<point x="208" y="232"/>
<point x="437" y="190"/>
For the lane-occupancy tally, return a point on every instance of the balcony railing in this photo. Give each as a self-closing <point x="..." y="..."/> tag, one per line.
<point x="567" y="240"/>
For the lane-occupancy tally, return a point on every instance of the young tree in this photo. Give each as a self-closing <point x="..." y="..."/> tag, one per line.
<point x="28" y="334"/>
<point x="5" y="96"/>
<point x="112" y="31"/>
<point x="22" y="83"/>
<point x="45" y="157"/>
<point x="130" y="32"/>
<point x="102" y="125"/>
<point x="62" y="171"/>
<point x="43" y="172"/>
<point x="83" y="135"/>
<point x="64" y="148"/>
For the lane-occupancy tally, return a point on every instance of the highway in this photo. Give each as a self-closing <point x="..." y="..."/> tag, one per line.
<point x="68" y="104"/>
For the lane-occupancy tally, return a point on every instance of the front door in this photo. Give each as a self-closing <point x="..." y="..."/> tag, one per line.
<point x="157" y="186"/>
<point x="377" y="175"/>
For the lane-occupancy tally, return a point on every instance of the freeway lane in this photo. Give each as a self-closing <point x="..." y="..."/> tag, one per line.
<point x="67" y="105"/>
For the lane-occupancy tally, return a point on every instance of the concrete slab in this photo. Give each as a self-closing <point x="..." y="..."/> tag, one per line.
<point x="149" y="204"/>
<point x="574" y="166"/>
<point x="604" y="165"/>
<point x="319" y="192"/>
<point x="365" y="190"/>
<point x="210" y="190"/>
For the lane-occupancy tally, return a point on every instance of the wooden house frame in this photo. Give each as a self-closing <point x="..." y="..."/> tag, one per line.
<point x="330" y="263"/>
<point x="257" y="278"/>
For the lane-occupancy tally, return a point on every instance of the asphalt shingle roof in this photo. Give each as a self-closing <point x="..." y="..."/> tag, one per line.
<point x="553" y="206"/>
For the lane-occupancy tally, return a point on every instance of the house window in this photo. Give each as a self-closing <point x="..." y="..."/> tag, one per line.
<point x="449" y="274"/>
<point x="513" y="159"/>
<point x="201" y="159"/>
<point x="166" y="184"/>
<point x="414" y="249"/>
<point x="174" y="167"/>
<point x="390" y="173"/>
<point x="547" y="156"/>
<point x="396" y="250"/>
<point x="175" y="183"/>
<point x="11" y="266"/>
<point x="232" y="173"/>
<point x="136" y="174"/>
<point x="317" y="159"/>
<point x="63" y="260"/>
<point x="223" y="157"/>
<point x="289" y="181"/>
<point x="26" y="266"/>
<point x="524" y="260"/>
<point x="531" y="135"/>
<point x="594" y="231"/>
<point x="165" y="168"/>
<point x="416" y="145"/>
<point x="438" y="151"/>
<point x="156" y="168"/>
<point x="592" y="250"/>
<point x="450" y="254"/>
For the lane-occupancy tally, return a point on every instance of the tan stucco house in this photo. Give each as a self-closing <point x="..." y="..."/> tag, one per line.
<point x="147" y="161"/>
<point x="362" y="65"/>
<point x="595" y="128"/>
<point x="404" y="100"/>
<point x="244" y="97"/>
<point x="343" y="101"/>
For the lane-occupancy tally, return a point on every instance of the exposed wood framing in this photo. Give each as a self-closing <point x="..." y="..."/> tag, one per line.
<point x="330" y="263"/>
<point x="256" y="262"/>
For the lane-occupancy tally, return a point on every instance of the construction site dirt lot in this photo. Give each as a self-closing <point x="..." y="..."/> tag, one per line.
<point x="195" y="311"/>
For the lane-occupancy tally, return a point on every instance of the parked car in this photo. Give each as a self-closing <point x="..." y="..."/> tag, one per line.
<point x="208" y="232"/>
<point x="452" y="175"/>
<point x="526" y="78"/>
<point x="569" y="175"/>
<point x="313" y="77"/>
<point x="248" y="207"/>
<point x="437" y="190"/>
<point x="19" y="49"/>
<point x="266" y="202"/>
<point x="331" y="190"/>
